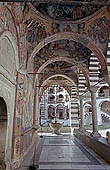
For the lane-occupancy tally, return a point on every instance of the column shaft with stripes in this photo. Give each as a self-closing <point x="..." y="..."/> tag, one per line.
<point x="93" y="70"/>
<point x="108" y="58"/>
<point x="74" y="108"/>
<point x="81" y="84"/>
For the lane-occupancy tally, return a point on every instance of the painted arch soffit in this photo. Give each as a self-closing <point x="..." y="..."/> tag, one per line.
<point x="63" y="83"/>
<point x="58" y="78"/>
<point x="71" y="71"/>
<point x="59" y="67"/>
<point x="63" y="48"/>
<point x="71" y="37"/>
<point x="64" y="11"/>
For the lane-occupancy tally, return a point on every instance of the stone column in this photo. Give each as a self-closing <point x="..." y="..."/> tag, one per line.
<point x="37" y="105"/>
<point x="65" y="109"/>
<point x="34" y="110"/>
<point x="81" y="114"/>
<point x="94" y="112"/>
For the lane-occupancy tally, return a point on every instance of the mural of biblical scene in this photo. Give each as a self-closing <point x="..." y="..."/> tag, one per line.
<point x="19" y="101"/>
<point x="63" y="48"/>
<point x="55" y="106"/>
<point x="27" y="117"/>
<point x="66" y="11"/>
<point x="17" y="148"/>
<point x="99" y="32"/>
<point x="7" y="22"/>
<point x="19" y="113"/>
<point x="18" y="12"/>
<point x="59" y="67"/>
<point x="36" y="30"/>
<point x="23" y="45"/>
<point x="56" y="66"/>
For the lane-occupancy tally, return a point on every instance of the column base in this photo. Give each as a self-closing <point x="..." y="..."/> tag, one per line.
<point x="82" y="129"/>
<point x="95" y="134"/>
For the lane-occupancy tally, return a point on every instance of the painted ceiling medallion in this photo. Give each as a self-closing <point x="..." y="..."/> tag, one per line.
<point x="64" y="11"/>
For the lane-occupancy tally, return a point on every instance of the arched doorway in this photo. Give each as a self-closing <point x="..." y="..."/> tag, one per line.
<point x="3" y="132"/>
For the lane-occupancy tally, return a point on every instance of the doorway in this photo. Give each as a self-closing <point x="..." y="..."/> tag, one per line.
<point x="3" y="132"/>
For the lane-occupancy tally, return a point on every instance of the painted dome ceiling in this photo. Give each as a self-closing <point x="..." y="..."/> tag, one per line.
<point x="66" y="11"/>
<point x="64" y="49"/>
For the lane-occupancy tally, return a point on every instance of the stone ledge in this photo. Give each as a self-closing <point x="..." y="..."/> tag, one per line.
<point x="99" y="145"/>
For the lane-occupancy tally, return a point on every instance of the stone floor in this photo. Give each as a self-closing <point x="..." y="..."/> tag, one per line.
<point x="66" y="152"/>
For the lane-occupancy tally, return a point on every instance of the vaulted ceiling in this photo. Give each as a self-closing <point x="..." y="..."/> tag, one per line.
<point x="49" y="20"/>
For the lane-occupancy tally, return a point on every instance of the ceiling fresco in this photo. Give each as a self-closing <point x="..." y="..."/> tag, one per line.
<point x="96" y="29"/>
<point x="65" y="11"/>
<point x="59" y="67"/>
<point x="62" y="48"/>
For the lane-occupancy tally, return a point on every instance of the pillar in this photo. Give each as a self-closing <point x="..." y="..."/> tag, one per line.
<point x="81" y="114"/>
<point x="34" y="110"/>
<point x="37" y="105"/>
<point x="94" y="112"/>
<point x="74" y="109"/>
<point x="65" y="115"/>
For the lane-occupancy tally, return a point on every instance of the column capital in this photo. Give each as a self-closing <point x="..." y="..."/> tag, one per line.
<point x="94" y="89"/>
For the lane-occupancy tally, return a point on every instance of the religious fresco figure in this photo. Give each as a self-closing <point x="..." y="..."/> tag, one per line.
<point x="98" y="31"/>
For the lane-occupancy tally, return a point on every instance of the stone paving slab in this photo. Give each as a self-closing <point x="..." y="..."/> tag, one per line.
<point x="70" y="155"/>
<point x="67" y="153"/>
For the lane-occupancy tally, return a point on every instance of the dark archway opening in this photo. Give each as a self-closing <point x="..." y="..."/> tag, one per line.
<point x="3" y="131"/>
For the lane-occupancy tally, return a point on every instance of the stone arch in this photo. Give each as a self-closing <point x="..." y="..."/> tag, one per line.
<point x="12" y="41"/>
<point x="51" y="112"/>
<point x="51" y="98"/>
<point x="104" y="109"/>
<point x="60" y="96"/>
<point x="8" y="95"/>
<point x="87" y="113"/>
<point x="85" y="71"/>
<point x="54" y="83"/>
<point x="87" y="102"/>
<point x="7" y="26"/>
<point x="77" y="38"/>
<point x="53" y="77"/>
<point x="103" y="104"/>
<point x="9" y="49"/>
<point x="101" y="89"/>
<point x="60" y="111"/>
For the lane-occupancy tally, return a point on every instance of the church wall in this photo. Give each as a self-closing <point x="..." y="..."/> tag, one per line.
<point x="7" y="91"/>
<point x="23" y="127"/>
<point x="7" y="86"/>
